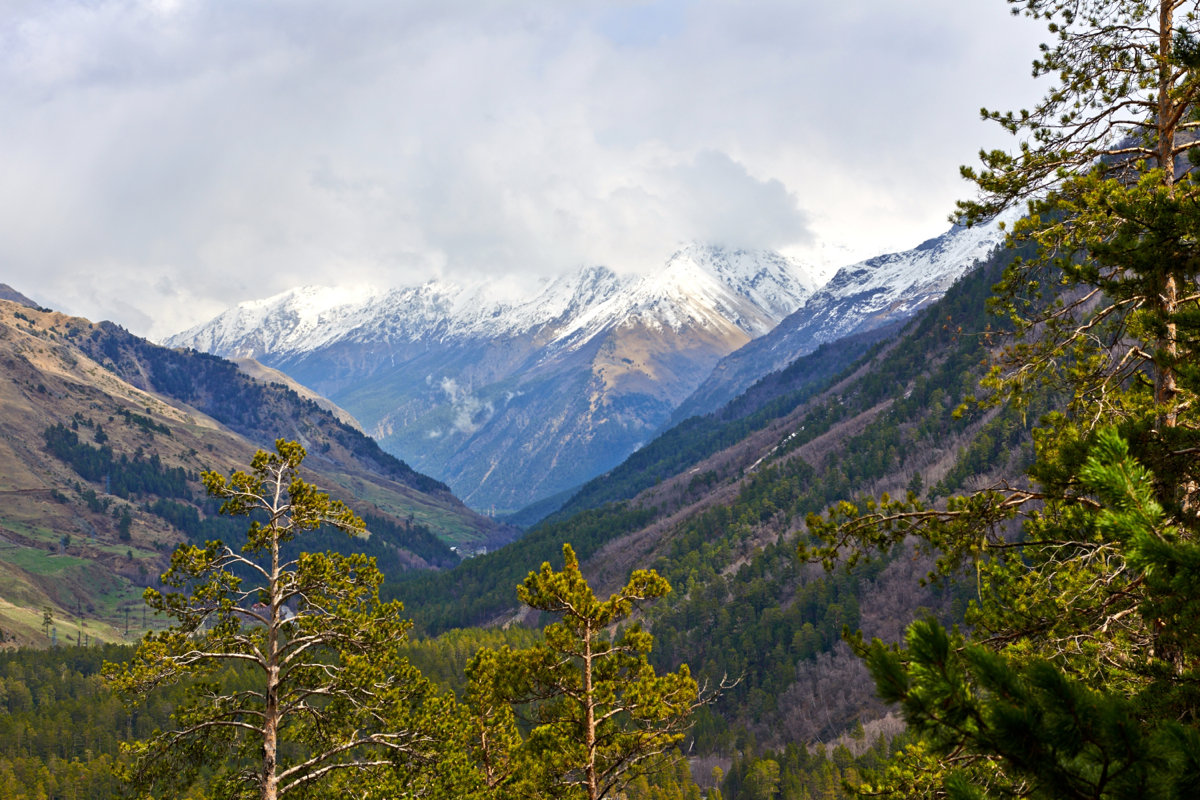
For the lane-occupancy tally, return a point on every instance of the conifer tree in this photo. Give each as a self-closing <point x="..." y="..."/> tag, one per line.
<point x="1107" y="140"/>
<point x="1079" y="678"/>
<point x="297" y="682"/>
<point x="600" y="713"/>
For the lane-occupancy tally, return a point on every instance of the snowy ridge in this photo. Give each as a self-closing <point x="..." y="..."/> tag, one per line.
<point x="860" y="297"/>
<point x="901" y="283"/>
<point x="700" y="286"/>
<point x="703" y="288"/>
<point x="256" y="327"/>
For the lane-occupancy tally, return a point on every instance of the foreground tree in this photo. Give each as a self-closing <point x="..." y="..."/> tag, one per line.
<point x="1082" y="678"/>
<point x="1106" y="142"/>
<point x="600" y="712"/>
<point x="297" y="682"/>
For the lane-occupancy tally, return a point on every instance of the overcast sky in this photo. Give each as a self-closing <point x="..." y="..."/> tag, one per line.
<point x="165" y="159"/>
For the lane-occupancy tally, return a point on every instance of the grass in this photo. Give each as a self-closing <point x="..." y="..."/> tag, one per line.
<point x="41" y="562"/>
<point x="447" y="525"/>
<point x="28" y="622"/>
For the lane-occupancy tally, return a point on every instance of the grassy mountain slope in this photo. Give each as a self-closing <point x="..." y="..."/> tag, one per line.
<point x="103" y="437"/>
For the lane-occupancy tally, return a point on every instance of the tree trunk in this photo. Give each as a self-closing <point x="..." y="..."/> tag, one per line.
<point x="270" y="786"/>
<point x="1167" y="301"/>
<point x="589" y="727"/>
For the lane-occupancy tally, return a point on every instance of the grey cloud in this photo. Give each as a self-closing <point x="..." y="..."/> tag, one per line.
<point x="168" y="158"/>
<point x="721" y="202"/>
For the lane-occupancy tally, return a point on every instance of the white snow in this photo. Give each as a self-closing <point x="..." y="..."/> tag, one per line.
<point x="699" y="286"/>
<point x="900" y="283"/>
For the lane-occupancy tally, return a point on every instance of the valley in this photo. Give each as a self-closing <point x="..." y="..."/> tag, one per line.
<point x="724" y="526"/>
<point x="566" y="385"/>
<point x="717" y="505"/>
<point x="510" y="402"/>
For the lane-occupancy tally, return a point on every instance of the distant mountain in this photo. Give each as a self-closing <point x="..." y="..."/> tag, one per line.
<point x="13" y="296"/>
<point x="102" y="439"/>
<point x="871" y="294"/>
<point x="512" y="400"/>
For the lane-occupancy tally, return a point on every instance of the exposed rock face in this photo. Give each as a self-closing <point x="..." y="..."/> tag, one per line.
<point x="512" y="400"/>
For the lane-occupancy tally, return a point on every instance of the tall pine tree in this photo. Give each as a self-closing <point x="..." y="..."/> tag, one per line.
<point x="298" y="685"/>
<point x="1079" y="677"/>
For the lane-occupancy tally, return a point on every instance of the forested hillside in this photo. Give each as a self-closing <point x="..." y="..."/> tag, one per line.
<point x="102" y="458"/>
<point x="718" y="506"/>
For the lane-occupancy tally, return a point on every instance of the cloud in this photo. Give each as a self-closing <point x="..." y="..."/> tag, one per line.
<point x="719" y="201"/>
<point x="469" y="413"/>
<point x="167" y="159"/>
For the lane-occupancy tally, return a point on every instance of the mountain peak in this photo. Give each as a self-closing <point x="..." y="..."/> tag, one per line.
<point x="860" y="297"/>
<point x="512" y="397"/>
<point x="12" y="295"/>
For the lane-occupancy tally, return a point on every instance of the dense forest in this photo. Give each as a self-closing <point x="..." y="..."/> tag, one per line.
<point x="62" y="726"/>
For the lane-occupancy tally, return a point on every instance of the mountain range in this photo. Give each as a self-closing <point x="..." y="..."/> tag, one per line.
<point x="511" y="400"/>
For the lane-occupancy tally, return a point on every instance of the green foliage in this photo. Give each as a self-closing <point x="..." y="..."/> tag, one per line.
<point x="125" y="525"/>
<point x="59" y="725"/>
<point x="1079" y="681"/>
<point x="671" y="781"/>
<point x="145" y="423"/>
<point x="480" y="588"/>
<point x="126" y="477"/>
<point x="412" y="536"/>
<point x="1121" y="90"/>
<point x="797" y="772"/>
<point x="1055" y="736"/>
<point x="600" y="711"/>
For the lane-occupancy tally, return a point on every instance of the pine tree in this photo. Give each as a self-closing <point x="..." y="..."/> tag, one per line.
<point x="1102" y="149"/>
<point x="1079" y="677"/>
<point x="297" y="681"/>
<point x="1047" y="731"/>
<point x="600" y="712"/>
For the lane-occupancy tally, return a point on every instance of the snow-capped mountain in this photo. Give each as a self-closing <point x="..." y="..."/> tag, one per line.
<point x="699" y="286"/>
<point x="859" y="298"/>
<point x="509" y="398"/>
